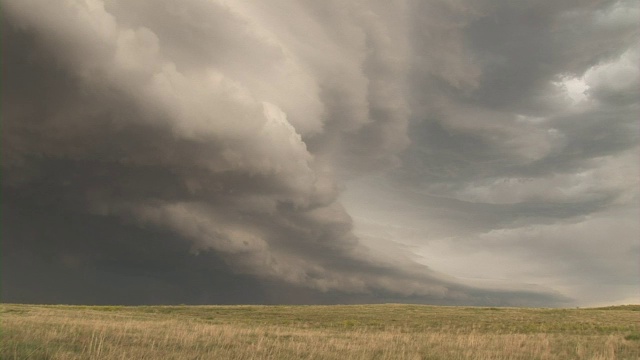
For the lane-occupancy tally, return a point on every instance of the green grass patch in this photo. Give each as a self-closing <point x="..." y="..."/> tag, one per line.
<point x="633" y="337"/>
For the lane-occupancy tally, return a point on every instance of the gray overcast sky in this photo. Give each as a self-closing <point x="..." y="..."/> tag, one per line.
<point x="477" y="152"/>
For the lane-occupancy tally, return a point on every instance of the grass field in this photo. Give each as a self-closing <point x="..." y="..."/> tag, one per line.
<point x="317" y="332"/>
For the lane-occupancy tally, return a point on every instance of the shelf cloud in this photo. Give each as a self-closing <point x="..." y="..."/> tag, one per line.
<point x="242" y="152"/>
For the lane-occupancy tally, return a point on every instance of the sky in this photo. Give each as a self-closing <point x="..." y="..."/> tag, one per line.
<point x="452" y="152"/>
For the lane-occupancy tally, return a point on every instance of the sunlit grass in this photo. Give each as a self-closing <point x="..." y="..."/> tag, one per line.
<point x="317" y="332"/>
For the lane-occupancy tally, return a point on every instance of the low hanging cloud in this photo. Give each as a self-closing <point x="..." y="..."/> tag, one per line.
<point x="196" y="152"/>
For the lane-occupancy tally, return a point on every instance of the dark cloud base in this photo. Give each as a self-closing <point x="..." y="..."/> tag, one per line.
<point x="52" y="254"/>
<point x="74" y="257"/>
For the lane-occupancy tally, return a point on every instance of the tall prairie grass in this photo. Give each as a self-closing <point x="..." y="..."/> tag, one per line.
<point x="316" y="332"/>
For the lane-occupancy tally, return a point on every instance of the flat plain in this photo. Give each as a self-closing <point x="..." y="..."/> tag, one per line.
<point x="387" y="331"/>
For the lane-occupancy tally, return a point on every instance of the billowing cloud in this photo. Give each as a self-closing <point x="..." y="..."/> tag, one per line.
<point x="202" y="148"/>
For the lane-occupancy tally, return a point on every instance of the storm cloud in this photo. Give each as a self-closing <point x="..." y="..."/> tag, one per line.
<point x="219" y="152"/>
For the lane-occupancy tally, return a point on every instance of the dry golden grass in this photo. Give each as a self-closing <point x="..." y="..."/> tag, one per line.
<point x="317" y="332"/>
